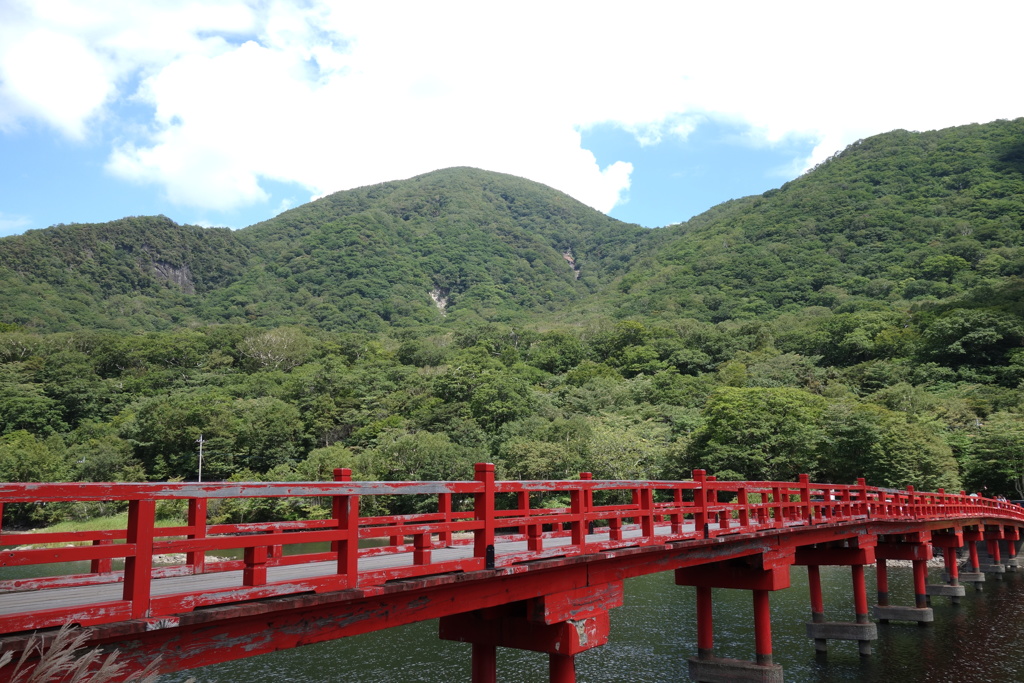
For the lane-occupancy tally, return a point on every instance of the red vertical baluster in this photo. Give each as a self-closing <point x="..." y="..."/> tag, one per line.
<point x="741" y="498"/>
<point x="444" y="508"/>
<point x="346" y="512"/>
<point x="805" y="496"/>
<point x="138" y="567"/>
<point x="196" y="559"/>
<point x="483" y="513"/>
<point x="101" y="565"/>
<point x="700" y="514"/>
<point x="677" y="514"/>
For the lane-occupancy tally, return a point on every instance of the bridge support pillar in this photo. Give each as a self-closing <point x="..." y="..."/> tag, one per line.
<point x="855" y="554"/>
<point x="773" y="574"/>
<point x="993" y="563"/>
<point x="949" y="542"/>
<point x="561" y="625"/>
<point x="974" y="574"/>
<point x="915" y="549"/>
<point x="1011" y="535"/>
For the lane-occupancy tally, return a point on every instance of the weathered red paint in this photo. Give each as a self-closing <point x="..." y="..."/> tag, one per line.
<point x="567" y="573"/>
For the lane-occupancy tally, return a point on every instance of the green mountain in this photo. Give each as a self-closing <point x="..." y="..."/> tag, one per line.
<point x="865" y="319"/>
<point x="897" y="217"/>
<point x="462" y="244"/>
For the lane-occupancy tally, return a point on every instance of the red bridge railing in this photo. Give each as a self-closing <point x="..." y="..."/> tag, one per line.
<point x="472" y="525"/>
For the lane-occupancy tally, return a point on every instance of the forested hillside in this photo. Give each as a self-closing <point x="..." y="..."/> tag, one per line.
<point x="865" y="319"/>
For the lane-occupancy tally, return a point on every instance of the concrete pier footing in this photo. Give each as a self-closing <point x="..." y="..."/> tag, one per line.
<point x="721" y="670"/>
<point x="886" y="613"/>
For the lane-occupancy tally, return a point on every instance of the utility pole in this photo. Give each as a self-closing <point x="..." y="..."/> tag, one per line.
<point x="200" y="441"/>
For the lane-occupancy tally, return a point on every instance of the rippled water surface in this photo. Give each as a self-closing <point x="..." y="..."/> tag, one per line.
<point x="654" y="633"/>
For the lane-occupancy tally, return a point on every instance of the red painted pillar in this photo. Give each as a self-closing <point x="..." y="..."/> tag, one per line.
<point x="993" y="550"/>
<point x="485" y="663"/>
<point x="817" y="603"/>
<point x="561" y="668"/>
<point x="952" y="567"/>
<point x="972" y="549"/>
<point x="705" y="627"/>
<point x="920" y="584"/>
<point x="860" y="604"/>
<point x="882" y="574"/>
<point x="762" y="628"/>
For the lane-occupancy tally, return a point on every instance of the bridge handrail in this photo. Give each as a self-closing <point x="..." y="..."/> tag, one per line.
<point x="601" y="515"/>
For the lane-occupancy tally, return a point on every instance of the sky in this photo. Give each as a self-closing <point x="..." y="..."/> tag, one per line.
<point x="228" y="112"/>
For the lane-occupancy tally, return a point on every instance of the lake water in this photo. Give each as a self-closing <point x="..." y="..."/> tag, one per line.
<point x="654" y="634"/>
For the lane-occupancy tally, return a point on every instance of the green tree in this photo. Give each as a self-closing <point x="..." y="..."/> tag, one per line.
<point x="996" y="461"/>
<point x="759" y="433"/>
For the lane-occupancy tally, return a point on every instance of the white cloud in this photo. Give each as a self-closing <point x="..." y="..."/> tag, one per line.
<point x="12" y="225"/>
<point x="337" y="95"/>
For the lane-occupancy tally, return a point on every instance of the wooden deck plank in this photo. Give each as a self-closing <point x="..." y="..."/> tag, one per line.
<point x="79" y="596"/>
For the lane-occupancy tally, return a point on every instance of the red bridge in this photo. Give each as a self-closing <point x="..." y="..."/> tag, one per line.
<point x="497" y="569"/>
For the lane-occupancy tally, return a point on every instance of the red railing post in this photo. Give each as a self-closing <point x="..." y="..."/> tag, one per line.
<point x="711" y="494"/>
<point x="444" y="508"/>
<point x="700" y="499"/>
<point x="197" y="528"/>
<point x="580" y="503"/>
<point x="677" y="511"/>
<point x="346" y="513"/>
<point x="102" y="565"/>
<point x="647" y="525"/>
<point x="578" y="525"/>
<point x="483" y="513"/>
<point x="421" y="548"/>
<point x="588" y="498"/>
<point x="138" y="567"/>
<point x="805" y="496"/>
<point x="777" y="507"/>
<point x="523" y="503"/>
<point x="255" y="571"/>
<point x="742" y="499"/>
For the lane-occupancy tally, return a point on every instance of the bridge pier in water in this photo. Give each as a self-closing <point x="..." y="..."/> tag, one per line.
<point x="759" y="574"/>
<point x="916" y="549"/>
<point x="950" y="543"/>
<point x="561" y="625"/>
<point x="973" y="574"/>
<point x="1011" y="535"/>
<point x="855" y="553"/>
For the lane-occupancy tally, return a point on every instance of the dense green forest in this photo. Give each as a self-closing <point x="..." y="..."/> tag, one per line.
<point x="865" y="319"/>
